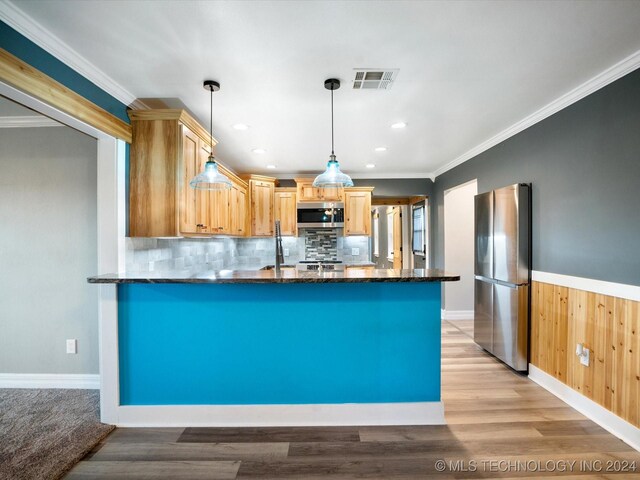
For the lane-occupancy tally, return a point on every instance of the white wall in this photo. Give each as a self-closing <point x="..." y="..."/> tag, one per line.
<point x="48" y="246"/>
<point x="458" y="249"/>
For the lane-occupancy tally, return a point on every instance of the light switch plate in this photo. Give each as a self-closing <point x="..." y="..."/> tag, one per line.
<point x="584" y="358"/>
<point x="72" y="345"/>
<point x="355" y="251"/>
<point x="286" y="252"/>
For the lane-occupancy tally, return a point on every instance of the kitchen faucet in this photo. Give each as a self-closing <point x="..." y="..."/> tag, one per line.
<point x="279" y="252"/>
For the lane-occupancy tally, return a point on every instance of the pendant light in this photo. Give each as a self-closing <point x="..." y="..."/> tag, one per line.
<point x="211" y="178"/>
<point x="332" y="176"/>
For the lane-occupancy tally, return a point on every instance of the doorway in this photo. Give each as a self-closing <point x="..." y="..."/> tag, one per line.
<point x="390" y="233"/>
<point x="109" y="215"/>
<point x="458" y="250"/>
<point x="48" y="246"/>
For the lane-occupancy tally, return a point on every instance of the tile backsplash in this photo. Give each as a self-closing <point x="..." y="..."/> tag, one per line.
<point x="321" y="244"/>
<point x="201" y="254"/>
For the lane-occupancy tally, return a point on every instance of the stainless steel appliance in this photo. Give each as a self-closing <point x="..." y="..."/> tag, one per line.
<point x="503" y="273"/>
<point x="320" y="215"/>
<point x="321" y="265"/>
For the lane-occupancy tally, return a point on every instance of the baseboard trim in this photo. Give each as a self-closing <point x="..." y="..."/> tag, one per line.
<point x="619" y="427"/>
<point x="50" y="380"/>
<point x="457" y="314"/>
<point x="620" y="290"/>
<point x="348" y="414"/>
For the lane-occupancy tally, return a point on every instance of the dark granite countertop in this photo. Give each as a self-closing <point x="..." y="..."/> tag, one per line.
<point x="286" y="276"/>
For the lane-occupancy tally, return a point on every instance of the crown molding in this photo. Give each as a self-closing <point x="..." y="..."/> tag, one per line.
<point x="611" y="74"/>
<point x="28" y="122"/>
<point x="25" y="25"/>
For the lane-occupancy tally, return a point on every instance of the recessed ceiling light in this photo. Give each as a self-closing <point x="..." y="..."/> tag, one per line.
<point x="259" y="150"/>
<point x="381" y="149"/>
<point x="241" y="126"/>
<point x="399" y="125"/>
<point x="271" y="167"/>
<point x="371" y="165"/>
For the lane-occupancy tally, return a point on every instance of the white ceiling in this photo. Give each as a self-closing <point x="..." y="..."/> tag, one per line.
<point x="468" y="69"/>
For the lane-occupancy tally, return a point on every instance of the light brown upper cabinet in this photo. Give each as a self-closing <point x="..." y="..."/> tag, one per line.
<point x="261" y="198"/>
<point x="219" y="218"/>
<point x="306" y="192"/>
<point x="238" y="211"/>
<point x="285" y="210"/>
<point x="168" y="149"/>
<point x="357" y="210"/>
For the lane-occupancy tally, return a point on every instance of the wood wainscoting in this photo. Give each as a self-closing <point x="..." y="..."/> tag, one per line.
<point x="562" y="317"/>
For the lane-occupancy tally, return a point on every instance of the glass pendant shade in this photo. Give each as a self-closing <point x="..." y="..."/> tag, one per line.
<point x="211" y="178"/>
<point x="332" y="176"/>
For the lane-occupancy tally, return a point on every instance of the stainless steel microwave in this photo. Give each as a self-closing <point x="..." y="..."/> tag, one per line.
<point x="320" y="215"/>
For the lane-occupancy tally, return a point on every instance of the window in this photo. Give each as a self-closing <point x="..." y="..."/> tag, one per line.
<point x="419" y="230"/>
<point x="376" y="234"/>
<point x="390" y="234"/>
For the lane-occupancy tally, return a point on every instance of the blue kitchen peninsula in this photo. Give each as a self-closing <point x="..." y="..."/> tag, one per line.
<point x="354" y="347"/>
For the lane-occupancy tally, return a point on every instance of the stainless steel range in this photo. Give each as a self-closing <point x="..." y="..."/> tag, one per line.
<point x="321" y="265"/>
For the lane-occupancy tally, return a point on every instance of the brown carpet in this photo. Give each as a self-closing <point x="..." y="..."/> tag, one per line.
<point x="43" y="433"/>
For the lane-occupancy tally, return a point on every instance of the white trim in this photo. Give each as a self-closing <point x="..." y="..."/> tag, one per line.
<point x="111" y="248"/>
<point x="28" y="121"/>
<point x="49" y="380"/>
<point x="51" y="112"/>
<point x="457" y="314"/>
<point x="347" y="414"/>
<point x="603" y="79"/>
<point x="13" y="16"/>
<point x="622" y="429"/>
<point x="620" y="290"/>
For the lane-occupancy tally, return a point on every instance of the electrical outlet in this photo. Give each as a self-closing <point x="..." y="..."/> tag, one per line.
<point x="72" y="345"/>
<point x="584" y="358"/>
<point x="355" y="251"/>
<point x="286" y="252"/>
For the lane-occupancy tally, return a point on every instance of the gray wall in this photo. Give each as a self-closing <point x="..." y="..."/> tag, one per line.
<point x="396" y="187"/>
<point x="47" y="249"/>
<point x="388" y="187"/>
<point x="584" y="163"/>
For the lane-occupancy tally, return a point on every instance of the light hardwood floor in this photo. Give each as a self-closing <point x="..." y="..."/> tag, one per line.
<point x="500" y="424"/>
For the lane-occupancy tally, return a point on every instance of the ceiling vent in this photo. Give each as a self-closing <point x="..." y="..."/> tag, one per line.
<point x="374" y="78"/>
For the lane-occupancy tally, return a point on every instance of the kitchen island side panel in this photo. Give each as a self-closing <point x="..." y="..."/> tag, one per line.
<point x="252" y="344"/>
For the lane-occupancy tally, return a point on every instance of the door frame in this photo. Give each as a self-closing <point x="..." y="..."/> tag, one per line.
<point x="111" y="231"/>
<point x="456" y="314"/>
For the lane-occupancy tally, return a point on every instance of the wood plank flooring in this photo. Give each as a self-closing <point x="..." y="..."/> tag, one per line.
<point x="500" y="425"/>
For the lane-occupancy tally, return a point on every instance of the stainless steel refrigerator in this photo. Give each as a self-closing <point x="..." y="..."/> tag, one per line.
<point x="503" y="273"/>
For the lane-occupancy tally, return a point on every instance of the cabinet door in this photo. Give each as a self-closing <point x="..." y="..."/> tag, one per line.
<point x="193" y="211"/>
<point x="262" y="208"/>
<point x="219" y="211"/>
<point x="237" y="205"/>
<point x="308" y="193"/>
<point x="332" y="193"/>
<point x="285" y="211"/>
<point x="241" y="205"/>
<point x="357" y="207"/>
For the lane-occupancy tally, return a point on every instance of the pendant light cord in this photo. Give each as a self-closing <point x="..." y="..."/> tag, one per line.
<point x="211" y="120"/>
<point x="332" y="121"/>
